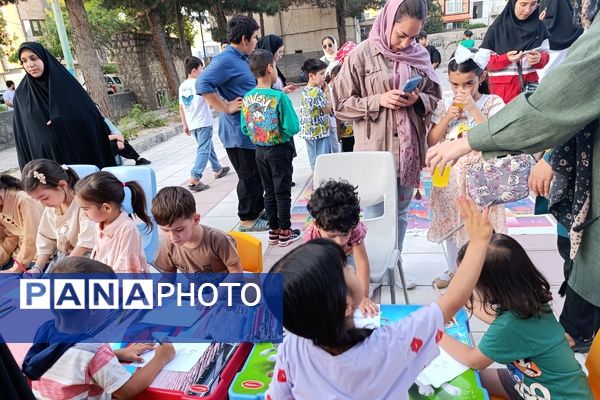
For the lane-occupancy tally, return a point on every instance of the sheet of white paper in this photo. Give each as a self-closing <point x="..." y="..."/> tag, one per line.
<point x="170" y="315"/>
<point x="187" y="355"/>
<point x="442" y="369"/>
<point x="366" y="322"/>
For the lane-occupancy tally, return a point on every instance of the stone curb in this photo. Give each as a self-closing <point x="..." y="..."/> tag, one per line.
<point x="143" y="143"/>
<point x="155" y="137"/>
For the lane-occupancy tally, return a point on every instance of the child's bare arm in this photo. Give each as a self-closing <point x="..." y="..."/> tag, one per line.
<point x="438" y="131"/>
<point x="363" y="271"/>
<point x="235" y="268"/>
<point x="144" y="376"/>
<point x="472" y="357"/>
<point x="461" y="287"/>
<point x="80" y="251"/>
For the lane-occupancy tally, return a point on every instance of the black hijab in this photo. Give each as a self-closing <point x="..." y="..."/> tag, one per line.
<point x="559" y="22"/>
<point x="77" y="134"/>
<point x="509" y="33"/>
<point x="272" y="43"/>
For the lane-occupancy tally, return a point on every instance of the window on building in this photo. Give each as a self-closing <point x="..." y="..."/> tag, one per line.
<point x="454" y="7"/>
<point x="33" y="27"/>
<point x="477" y="9"/>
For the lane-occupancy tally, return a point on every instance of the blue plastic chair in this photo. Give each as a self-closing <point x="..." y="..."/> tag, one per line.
<point x="84" y="170"/>
<point x="147" y="179"/>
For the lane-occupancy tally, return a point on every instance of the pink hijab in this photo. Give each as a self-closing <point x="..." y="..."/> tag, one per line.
<point x="415" y="56"/>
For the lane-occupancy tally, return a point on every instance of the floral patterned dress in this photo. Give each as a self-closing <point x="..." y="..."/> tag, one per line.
<point x="444" y="214"/>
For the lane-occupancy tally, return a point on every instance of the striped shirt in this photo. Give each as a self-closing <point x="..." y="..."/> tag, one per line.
<point x="85" y="371"/>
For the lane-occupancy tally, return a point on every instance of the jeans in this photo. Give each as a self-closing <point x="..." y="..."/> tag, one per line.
<point x="275" y="167"/>
<point x="127" y="152"/>
<point x="335" y="144"/>
<point x="317" y="147"/>
<point x="249" y="187"/>
<point x="205" y="152"/>
<point x="405" y="195"/>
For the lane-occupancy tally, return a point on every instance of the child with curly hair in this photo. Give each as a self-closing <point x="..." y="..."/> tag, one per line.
<point x="335" y="207"/>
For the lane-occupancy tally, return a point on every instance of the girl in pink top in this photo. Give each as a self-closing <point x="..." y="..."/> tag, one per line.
<point x="118" y="242"/>
<point x="335" y="208"/>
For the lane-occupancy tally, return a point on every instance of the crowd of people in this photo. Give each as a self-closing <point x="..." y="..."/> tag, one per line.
<point x="52" y="221"/>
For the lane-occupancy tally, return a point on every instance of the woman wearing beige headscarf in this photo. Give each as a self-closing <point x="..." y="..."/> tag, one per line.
<point x="368" y="92"/>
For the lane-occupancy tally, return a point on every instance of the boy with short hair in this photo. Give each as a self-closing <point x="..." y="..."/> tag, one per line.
<point x="223" y="84"/>
<point x="467" y="39"/>
<point x="269" y="120"/>
<point x="87" y="370"/>
<point x="189" y="246"/>
<point x="434" y="55"/>
<point x="197" y="120"/>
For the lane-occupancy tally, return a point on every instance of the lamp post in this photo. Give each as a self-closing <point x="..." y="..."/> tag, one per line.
<point x="62" y="35"/>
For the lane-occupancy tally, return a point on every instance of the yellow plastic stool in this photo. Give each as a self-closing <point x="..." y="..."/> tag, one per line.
<point x="592" y="363"/>
<point x="250" y="250"/>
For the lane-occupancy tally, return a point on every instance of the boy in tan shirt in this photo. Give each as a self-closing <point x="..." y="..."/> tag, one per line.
<point x="189" y="246"/>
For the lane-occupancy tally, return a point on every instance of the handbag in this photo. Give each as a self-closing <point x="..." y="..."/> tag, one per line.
<point x="499" y="180"/>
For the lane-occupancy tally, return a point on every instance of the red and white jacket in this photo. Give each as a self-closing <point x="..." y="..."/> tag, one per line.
<point x="504" y="78"/>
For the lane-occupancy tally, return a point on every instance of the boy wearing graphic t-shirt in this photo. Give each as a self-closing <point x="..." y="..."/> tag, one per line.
<point x="197" y="121"/>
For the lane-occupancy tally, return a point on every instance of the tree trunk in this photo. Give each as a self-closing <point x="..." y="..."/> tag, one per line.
<point x="261" y="17"/>
<point x="87" y="56"/>
<point x="340" y="17"/>
<point x="186" y="50"/>
<point x="159" y="39"/>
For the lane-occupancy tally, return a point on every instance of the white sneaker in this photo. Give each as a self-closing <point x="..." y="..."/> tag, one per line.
<point x="411" y="282"/>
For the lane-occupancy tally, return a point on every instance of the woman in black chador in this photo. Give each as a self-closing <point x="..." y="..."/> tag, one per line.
<point x="54" y="117"/>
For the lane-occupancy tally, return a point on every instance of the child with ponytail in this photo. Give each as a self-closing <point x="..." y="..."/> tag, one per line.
<point x="106" y="201"/>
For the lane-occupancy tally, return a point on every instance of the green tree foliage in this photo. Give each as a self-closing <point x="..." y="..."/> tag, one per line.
<point x="434" y="22"/>
<point x="104" y="22"/>
<point x="4" y="36"/>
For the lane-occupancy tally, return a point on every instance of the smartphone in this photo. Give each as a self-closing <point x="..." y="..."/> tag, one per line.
<point x="411" y="84"/>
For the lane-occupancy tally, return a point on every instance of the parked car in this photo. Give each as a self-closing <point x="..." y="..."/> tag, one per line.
<point x="114" y="84"/>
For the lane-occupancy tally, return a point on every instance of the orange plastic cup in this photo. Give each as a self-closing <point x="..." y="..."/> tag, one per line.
<point x="440" y="179"/>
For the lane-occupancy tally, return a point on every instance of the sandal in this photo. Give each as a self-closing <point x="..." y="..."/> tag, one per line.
<point x="224" y="171"/>
<point x="442" y="281"/>
<point x="199" y="187"/>
<point x="260" y="225"/>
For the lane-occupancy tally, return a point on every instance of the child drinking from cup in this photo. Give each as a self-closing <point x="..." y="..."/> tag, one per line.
<point x="471" y="105"/>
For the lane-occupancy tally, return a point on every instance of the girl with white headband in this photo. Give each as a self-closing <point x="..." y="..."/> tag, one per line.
<point x="471" y="105"/>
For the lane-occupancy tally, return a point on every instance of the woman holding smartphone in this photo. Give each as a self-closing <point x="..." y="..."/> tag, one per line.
<point x="368" y="92"/>
<point x="516" y="39"/>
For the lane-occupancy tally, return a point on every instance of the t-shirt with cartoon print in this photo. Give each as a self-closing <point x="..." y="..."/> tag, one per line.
<point x="539" y="360"/>
<point x="314" y="122"/>
<point x="268" y="117"/>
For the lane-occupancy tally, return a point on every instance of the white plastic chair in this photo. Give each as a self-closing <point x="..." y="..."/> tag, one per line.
<point x="374" y="173"/>
<point x="146" y="177"/>
<point x="84" y="170"/>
